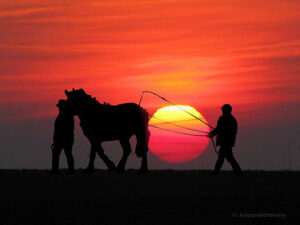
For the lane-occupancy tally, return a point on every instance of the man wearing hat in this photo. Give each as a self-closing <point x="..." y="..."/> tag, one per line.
<point x="63" y="136"/>
<point x="226" y="134"/>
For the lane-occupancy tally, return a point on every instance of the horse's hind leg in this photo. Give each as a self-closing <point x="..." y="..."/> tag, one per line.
<point x="142" y="149"/>
<point x="110" y="165"/>
<point x="125" y="144"/>
<point x="144" y="165"/>
<point x="91" y="168"/>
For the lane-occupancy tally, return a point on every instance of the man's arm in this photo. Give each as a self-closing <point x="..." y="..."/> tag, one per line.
<point x="215" y="131"/>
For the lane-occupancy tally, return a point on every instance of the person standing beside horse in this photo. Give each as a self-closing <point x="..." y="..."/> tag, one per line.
<point x="102" y="122"/>
<point x="226" y="131"/>
<point x="63" y="137"/>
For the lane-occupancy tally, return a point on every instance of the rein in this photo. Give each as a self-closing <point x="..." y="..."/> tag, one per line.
<point x="171" y="103"/>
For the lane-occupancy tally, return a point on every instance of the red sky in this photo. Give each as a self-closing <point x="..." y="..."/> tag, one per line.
<point x="195" y="52"/>
<point x="202" y="53"/>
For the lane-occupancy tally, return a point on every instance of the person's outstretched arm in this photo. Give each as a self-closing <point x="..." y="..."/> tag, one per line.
<point x="215" y="131"/>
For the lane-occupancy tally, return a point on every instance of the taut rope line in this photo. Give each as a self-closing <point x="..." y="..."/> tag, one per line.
<point x="174" y="124"/>
<point x="177" y="132"/>
<point x="171" y="103"/>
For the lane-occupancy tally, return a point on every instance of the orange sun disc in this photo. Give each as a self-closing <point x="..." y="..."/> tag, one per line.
<point x="176" y="147"/>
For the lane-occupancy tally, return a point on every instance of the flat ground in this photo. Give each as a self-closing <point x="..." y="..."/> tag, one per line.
<point x="160" y="197"/>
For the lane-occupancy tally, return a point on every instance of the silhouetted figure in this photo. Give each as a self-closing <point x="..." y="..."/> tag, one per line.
<point x="63" y="136"/>
<point x="226" y="131"/>
<point x="105" y="122"/>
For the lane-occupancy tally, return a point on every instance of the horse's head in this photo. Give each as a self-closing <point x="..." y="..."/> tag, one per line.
<point x="77" y="100"/>
<point x="64" y="107"/>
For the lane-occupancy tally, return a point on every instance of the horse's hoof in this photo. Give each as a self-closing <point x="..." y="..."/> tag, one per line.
<point x="112" y="169"/>
<point x="71" y="172"/>
<point x="143" y="171"/>
<point x="88" y="171"/>
<point x="120" y="170"/>
<point x="54" y="172"/>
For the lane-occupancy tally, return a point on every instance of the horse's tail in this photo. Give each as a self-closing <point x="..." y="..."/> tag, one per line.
<point x="142" y="133"/>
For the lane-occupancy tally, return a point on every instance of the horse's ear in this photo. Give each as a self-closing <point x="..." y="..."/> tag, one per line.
<point x="67" y="93"/>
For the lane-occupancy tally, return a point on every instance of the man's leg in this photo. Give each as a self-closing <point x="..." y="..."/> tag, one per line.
<point x="233" y="162"/>
<point x="220" y="161"/>
<point x="56" y="149"/>
<point x="70" y="160"/>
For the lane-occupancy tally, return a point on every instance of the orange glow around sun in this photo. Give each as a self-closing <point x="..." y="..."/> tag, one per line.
<point x="201" y="53"/>
<point x="177" y="147"/>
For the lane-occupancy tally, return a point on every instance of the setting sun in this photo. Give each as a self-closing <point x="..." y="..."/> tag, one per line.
<point x="177" y="146"/>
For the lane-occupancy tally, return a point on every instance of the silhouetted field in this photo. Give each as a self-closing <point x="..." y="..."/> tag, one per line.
<point x="160" y="197"/>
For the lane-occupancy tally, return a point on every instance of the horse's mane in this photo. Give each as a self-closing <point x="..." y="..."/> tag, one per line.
<point x="88" y="99"/>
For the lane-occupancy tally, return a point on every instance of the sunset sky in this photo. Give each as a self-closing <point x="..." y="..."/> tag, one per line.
<point x="200" y="53"/>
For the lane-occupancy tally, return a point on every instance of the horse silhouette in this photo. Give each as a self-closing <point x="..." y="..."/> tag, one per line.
<point x="105" y="122"/>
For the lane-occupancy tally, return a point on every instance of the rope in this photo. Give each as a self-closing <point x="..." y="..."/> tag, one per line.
<point x="174" y="124"/>
<point x="172" y="131"/>
<point x="213" y="143"/>
<point x="171" y="103"/>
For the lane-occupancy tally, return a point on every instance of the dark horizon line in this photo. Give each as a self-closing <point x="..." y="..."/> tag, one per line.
<point x="154" y="170"/>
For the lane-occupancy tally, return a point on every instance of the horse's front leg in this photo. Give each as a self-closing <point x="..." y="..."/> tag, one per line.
<point x="144" y="165"/>
<point x="90" y="168"/>
<point x="110" y="165"/>
<point x="125" y="144"/>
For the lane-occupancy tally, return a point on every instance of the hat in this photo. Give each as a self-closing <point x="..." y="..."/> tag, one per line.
<point x="227" y="107"/>
<point x="61" y="102"/>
